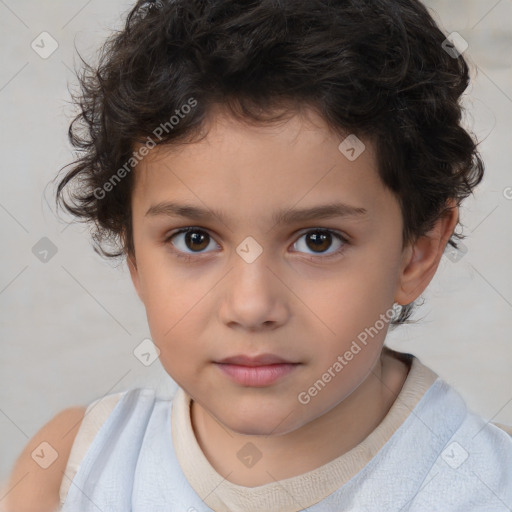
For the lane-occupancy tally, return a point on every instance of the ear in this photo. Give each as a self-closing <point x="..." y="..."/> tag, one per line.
<point x="422" y="257"/>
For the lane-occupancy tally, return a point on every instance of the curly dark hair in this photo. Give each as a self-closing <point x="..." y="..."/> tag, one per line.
<point x="374" y="68"/>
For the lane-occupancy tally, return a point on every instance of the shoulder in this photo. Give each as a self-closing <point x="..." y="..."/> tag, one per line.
<point x="95" y="416"/>
<point x="474" y="467"/>
<point x="505" y="428"/>
<point x="37" y="474"/>
<point x="43" y="473"/>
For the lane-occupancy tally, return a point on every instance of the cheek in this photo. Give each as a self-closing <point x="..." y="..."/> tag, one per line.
<point x="172" y="303"/>
<point x="177" y="303"/>
<point x="173" y="312"/>
<point x="352" y="296"/>
<point x="349" y="306"/>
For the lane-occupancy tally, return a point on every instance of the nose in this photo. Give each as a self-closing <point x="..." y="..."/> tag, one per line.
<point x="253" y="297"/>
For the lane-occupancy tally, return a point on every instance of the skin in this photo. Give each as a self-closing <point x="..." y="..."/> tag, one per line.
<point x="32" y="488"/>
<point x="292" y="301"/>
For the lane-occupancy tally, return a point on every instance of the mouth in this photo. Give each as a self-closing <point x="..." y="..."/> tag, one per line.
<point x="258" y="371"/>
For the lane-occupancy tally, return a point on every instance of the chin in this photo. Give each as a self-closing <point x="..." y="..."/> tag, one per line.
<point x="260" y="423"/>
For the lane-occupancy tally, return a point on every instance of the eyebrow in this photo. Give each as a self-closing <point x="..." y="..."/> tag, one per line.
<point x="283" y="216"/>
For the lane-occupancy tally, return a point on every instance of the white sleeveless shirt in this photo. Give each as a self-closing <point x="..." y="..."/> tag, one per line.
<point x="136" y="452"/>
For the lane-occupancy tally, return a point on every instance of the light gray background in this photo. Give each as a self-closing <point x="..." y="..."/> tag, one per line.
<point x="69" y="326"/>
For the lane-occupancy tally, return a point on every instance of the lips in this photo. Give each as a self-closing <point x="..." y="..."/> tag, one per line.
<point x="256" y="371"/>
<point x="260" y="360"/>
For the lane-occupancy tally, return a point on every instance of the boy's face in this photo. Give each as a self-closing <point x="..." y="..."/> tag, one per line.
<point x="306" y="298"/>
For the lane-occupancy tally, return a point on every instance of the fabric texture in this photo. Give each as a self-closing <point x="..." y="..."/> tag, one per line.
<point x="429" y="453"/>
<point x="95" y="415"/>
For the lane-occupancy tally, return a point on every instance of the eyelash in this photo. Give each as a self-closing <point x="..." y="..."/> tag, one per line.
<point x="189" y="256"/>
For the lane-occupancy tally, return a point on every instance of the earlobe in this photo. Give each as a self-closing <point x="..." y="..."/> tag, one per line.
<point x="421" y="259"/>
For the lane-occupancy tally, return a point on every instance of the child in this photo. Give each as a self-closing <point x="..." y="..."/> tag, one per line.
<point x="313" y="152"/>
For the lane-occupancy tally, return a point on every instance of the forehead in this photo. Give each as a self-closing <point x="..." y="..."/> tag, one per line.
<point x="251" y="169"/>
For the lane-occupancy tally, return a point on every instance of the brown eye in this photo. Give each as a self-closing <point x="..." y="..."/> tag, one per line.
<point x="190" y="239"/>
<point x="319" y="241"/>
<point x="196" y="240"/>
